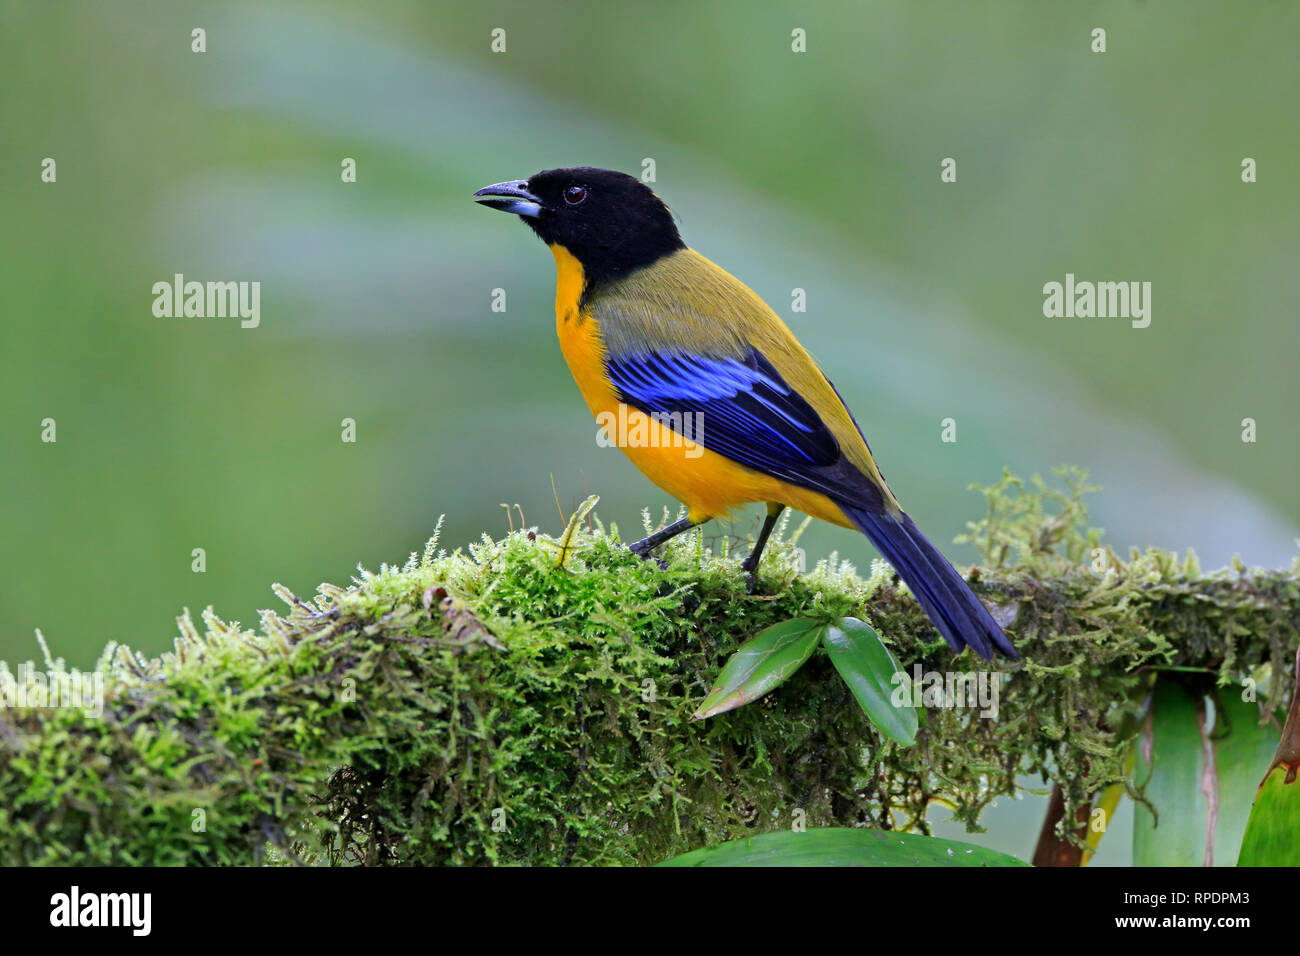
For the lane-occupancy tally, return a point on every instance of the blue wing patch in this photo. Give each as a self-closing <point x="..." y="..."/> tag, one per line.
<point x="741" y="408"/>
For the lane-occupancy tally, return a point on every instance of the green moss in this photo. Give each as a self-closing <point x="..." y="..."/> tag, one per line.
<point x="358" y="728"/>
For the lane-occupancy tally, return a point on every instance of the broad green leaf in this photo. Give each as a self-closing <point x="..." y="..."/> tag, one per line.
<point x="763" y="663"/>
<point x="1170" y="759"/>
<point x="1241" y="754"/>
<point x="1272" y="835"/>
<point x="869" y="669"/>
<point x="843" y="846"/>
<point x="1273" y="831"/>
<point x="1200" y="779"/>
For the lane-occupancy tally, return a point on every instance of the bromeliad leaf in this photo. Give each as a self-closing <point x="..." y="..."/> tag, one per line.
<point x="762" y="664"/>
<point x="871" y="671"/>
<point x="1242" y="749"/>
<point x="843" y="846"/>
<point x="1272" y="838"/>
<point x="1171" y="767"/>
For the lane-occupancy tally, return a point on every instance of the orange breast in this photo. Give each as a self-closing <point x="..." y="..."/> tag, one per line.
<point x="709" y="484"/>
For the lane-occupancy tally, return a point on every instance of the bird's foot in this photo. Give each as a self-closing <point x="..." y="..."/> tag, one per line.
<point x="751" y="575"/>
<point x="647" y="544"/>
<point x="644" y="551"/>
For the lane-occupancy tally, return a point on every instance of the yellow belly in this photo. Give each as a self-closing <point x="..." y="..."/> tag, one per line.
<point x="709" y="484"/>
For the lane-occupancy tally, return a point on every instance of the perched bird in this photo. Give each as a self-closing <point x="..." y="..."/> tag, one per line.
<point x="723" y="405"/>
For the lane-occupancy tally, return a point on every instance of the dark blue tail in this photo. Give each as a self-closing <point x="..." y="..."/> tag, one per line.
<point x="939" y="589"/>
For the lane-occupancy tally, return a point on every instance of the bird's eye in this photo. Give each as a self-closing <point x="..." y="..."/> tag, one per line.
<point x="575" y="194"/>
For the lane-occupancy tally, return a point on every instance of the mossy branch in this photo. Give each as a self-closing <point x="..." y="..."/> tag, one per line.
<point x="372" y="726"/>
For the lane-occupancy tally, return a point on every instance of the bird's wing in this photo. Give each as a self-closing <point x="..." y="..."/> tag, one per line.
<point x="742" y="408"/>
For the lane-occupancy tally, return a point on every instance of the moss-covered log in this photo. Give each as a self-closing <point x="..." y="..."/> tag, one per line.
<point x="380" y="724"/>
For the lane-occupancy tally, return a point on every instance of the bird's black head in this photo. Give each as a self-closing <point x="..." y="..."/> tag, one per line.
<point x="611" y="222"/>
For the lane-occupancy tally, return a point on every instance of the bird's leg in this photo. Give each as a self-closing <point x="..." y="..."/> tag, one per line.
<point x="750" y="565"/>
<point x="647" y="544"/>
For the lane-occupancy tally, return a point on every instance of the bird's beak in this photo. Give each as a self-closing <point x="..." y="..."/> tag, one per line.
<point x="510" y="197"/>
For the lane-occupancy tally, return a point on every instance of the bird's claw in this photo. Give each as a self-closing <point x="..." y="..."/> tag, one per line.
<point x="645" y="555"/>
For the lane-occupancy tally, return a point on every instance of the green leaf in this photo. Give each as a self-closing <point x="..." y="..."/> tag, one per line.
<point x="869" y="669"/>
<point x="1170" y="759"/>
<point x="762" y="664"/>
<point x="1239" y="756"/>
<point x="843" y="846"/>
<point x="1200" y="779"/>
<point x="1272" y="836"/>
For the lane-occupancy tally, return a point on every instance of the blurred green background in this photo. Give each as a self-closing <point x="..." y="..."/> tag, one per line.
<point x="817" y="170"/>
